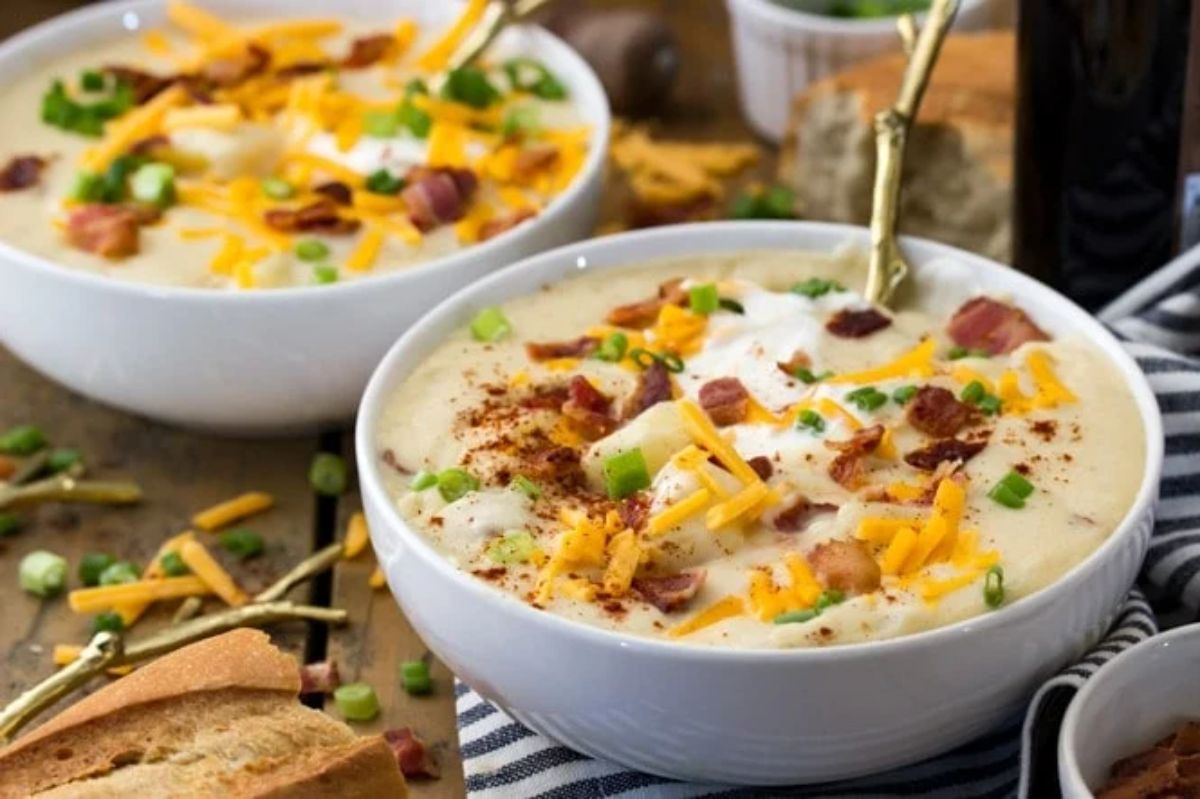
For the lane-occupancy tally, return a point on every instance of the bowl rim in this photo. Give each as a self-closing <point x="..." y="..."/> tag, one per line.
<point x="1069" y="734"/>
<point x="555" y="52"/>
<point x="794" y="19"/>
<point x="1028" y="607"/>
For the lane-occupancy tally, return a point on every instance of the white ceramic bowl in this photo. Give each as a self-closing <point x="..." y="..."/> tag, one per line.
<point x="779" y="51"/>
<point x="766" y="717"/>
<point x="1134" y="700"/>
<point x="272" y="361"/>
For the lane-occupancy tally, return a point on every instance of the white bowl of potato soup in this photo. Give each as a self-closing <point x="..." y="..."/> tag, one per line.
<point x="1134" y="727"/>
<point x="221" y="215"/>
<point x="682" y="500"/>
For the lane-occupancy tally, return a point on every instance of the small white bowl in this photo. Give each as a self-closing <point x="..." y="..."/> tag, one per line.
<point x="780" y="50"/>
<point x="771" y="717"/>
<point x="271" y="361"/>
<point x="1133" y="701"/>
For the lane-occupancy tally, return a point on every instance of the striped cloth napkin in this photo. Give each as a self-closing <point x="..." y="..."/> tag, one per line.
<point x="1159" y="320"/>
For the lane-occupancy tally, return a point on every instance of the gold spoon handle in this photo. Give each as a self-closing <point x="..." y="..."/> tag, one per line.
<point x="499" y="15"/>
<point x="104" y="648"/>
<point x="887" y="268"/>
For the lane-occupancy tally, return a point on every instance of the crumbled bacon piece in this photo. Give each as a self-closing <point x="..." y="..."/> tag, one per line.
<point x="654" y="386"/>
<point x="556" y="464"/>
<point x="856" y="322"/>
<point x="945" y="450"/>
<point x="847" y="468"/>
<point x="671" y="592"/>
<point x="799" y="360"/>
<point x="725" y="400"/>
<point x="936" y="412"/>
<point x="502" y="224"/>
<point x="437" y="196"/>
<point x="236" y="69"/>
<point x="145" y="85"/>
<point x="335" y="190"/>
<point x="762" y="466"/>
<point x="107" y="230"/>
<point x="411" y="754"/>
<point x="643" y="314"/>
<point x="549" y="350"/>
<point x="799" y="513"/>
<point x="845" y="566"/>
<point x="634" y="511"/>
<point x="588" y="408"/>
<point x="987" y="324"/>
<point x="318" y="216"/>
<point x="367" y="50"/>
<point x="319" y="678"/>
<point x="301" y="68"/>
<point x="672" y="292"/>
<point x="21" y="172"/>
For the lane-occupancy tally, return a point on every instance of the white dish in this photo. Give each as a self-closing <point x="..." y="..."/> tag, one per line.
<point x="1133" y="701"/>
<point x="275" y="361"/>
<point x="762" y="717"/>
<point x="780" y="51"/>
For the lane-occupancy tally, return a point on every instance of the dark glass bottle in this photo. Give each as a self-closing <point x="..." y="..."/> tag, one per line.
<point x="1101" y="86"/>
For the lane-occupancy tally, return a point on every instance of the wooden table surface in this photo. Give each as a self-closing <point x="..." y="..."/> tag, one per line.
<point x="183" y="471"/>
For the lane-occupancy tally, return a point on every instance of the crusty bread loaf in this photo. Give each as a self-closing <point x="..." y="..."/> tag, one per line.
<point x="958" y="170"/>
<point x="217" y="718"/>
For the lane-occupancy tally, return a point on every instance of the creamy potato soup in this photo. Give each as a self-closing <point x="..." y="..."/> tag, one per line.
<point x="738" y="451"/>
<point x="297" y="152"/>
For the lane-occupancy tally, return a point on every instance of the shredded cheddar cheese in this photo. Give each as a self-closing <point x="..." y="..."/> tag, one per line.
<point x="917" y="362"/>
<point x="722" y="609"/>
<point x="232" y="510"/>
<point x="202" y="563"/>
<point x="357" y="536"/>
<point x="107" y="597"/>
<point x="674" y="515"/>
<point x="705" y="434"/>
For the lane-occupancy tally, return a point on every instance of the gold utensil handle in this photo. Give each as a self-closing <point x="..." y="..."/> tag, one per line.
<point x="499" y="15"/>
<point x="887" y="268"/>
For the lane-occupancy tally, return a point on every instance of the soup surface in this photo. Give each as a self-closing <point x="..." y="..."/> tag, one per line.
<point x="293" y="152"/>
<point x="736" y="451"/>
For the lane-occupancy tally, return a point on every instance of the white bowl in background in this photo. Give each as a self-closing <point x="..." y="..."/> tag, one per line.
<point x="1130" y="703"/>
<point x="747" y="716"/>
<point x="779" y="51"/>
<point x="271" y="361"/>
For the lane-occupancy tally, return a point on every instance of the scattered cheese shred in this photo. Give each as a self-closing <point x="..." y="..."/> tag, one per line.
<point x="232" y="510"/>
<point x="157" y="43"/>
<point x="674" y="515"/>
<point x="331" y="168"/>
<point x="943" y="523"/>
<point x="719" y="611"/>
<point x="469" y="229"/>
<point x="679" y="330"/>
<point x="222" y="116"/>
<point x="132" y="611"/>
<point x="447" y="145"/>
<point x="917" y="362"/>
<point x="377" y="579"/>
<point x="965" y="374"/>
<point x="1050" y="390"/>
<point x="121" y="134"/>
<point x="881" y="530"/>
<point x="363" y="257"/>
<point x="202" y="563"/>
<point x="903" y="542"/>
<point x="106" y="597"/>
<point x="936" y="589"/>
<point x="740" y="504"/>
<point x="438" y="55"/>
<point x="701" y="429"/>
<point x="357" y="536"/>
<point x="227" y="258"/>
<point x="624" y="556"/>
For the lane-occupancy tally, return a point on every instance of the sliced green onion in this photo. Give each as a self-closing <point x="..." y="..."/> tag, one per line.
<point x="902" y="395"/>
<point x="671" y="361"/>
<point x="805" y="375"/>
<point x="527" y="75"/>
<point x="86" y="187"/>
<point x="42" y="573"/>
<point x="973" y="392"/>
<point x="422" y="480"/>
<point x="704" y="299"/>
<point x="108" y="620"/>
<point x="625" y="473"/>
<point x="867" y="398"/>
<point x="86" y="119"/>
<point x="415" y="86"/>
<point x="522" y="120"/>
<point x="242" y="544"/>
<point x="92" y="565"/>
<point x="24" y="439"/>
<point x="9" y="523"/>
<point x="643" y="357"/>
<point x="277" y="188"/>
<point x="490" y="324"/>
<point x="356" y="701"/>
<point x="325" y="274"/>
<point x="381" y="124"/>
<point x="745" y="206"/>
<point x="993" y="587"/>
<point x="91" y="80"/>
<point x="418" y="122"/>
<point x="828" y="598"/>
<point x="526" y="487"/>
<point x="810" y="419"/>
<point x="172" y="565"/>
<point x="113" y="182"/>
<point x="733" y="306"/>
<point x="612" y="348"/>
<point x="1016" y="483"/>
<point x="153" y="184"/>
<point x="470" y="86"/>
<point x="454" y="484"/>
<point x="327" y="475"/>
<point x="1004" y="495"/>
<point x="121" y="572"/>
<point x="515" y="546"/>
<point x="383" y="182"/>
<point x="311" y="250"/>
<point x="797" y="616"/>
<point x="775" y="202"/>
<point x="414" y="676"/>
<point x="957" y="353"/>
<point x="62" y="459"/>
<point x="816" y="287"/>
<point x="990" y="405"/>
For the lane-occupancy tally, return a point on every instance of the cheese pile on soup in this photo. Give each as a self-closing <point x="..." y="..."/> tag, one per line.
<point x="297" y="152"/>
<point x="738" y="450"/>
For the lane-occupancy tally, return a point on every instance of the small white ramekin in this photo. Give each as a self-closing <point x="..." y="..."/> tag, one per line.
<point x="1133" y="701"/>
<point x="260" y="362"/>
<point x="769" y="717"/>
<point x="779" y="51"/>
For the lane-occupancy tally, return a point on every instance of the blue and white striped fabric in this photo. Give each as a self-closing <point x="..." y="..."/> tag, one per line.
<point x="1160" y="321"/>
